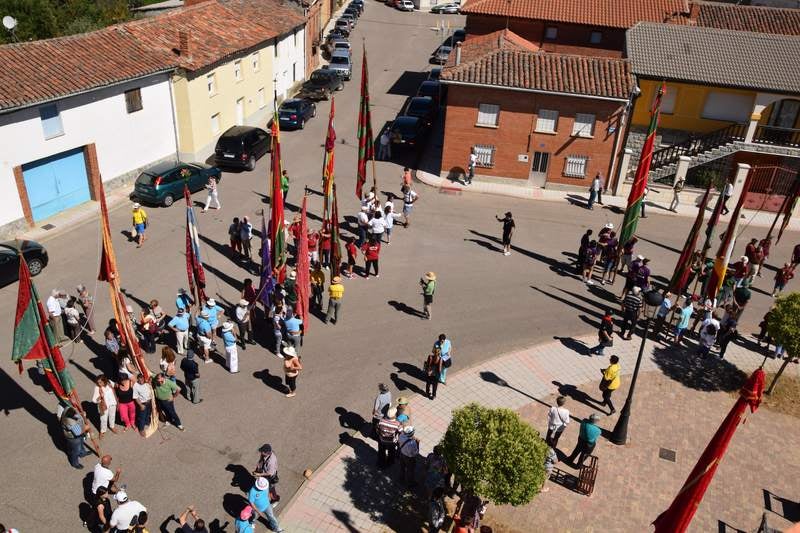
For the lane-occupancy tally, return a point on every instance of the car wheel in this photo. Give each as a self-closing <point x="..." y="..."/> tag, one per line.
<point x="251" y="163"/>
<point x="313" y="111"/>
<point x="168" y="200"/>
<point x="340" y="87"/>
<point x="302" y="123"/>
<point x="35" y="266"/>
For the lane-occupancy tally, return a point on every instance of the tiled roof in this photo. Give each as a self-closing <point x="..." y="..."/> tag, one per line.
<point x="40" y="71"/>
<point x="749" y="18"/>
<point x="476" y="45"/>
<point x="715" y="57"/>
<point x="279" y="16"/>
<point x="605" y="13"/>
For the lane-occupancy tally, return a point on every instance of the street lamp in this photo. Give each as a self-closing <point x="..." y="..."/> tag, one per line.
<point x="652" y="301"/>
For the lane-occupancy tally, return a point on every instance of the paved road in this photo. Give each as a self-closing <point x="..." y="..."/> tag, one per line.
<point x="489" y="304"/>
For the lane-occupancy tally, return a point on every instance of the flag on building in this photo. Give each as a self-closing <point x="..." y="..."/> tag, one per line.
<point x="277" y="230"/>
<point x="267" y="283"/>
<point x="194" y="264"/>
<point x="636" y="196"/>
<point x="366" y="150"/>
<point x="684" y="266"/>
<point x="336" y="237"/>
<point x="328" y="164"/>
<point x="303" y="283"/>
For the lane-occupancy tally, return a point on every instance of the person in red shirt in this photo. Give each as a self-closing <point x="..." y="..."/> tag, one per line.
<point x="352" y="251"/>
<point x="313" y="242"/>
<point x="372" y="251"/>
<point x="741" y="270"/>
<point x="325" y="245"/>
<point x="782" y="277"/>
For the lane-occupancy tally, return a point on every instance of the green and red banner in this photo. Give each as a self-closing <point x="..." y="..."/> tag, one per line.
<point x="302" y="269"/>
<point x="336" y="237"/>
<point x="328" y="163"/>
<point x="366" y="150"/>
<point x="277" y="231"/>
<point x="684" y="266"/>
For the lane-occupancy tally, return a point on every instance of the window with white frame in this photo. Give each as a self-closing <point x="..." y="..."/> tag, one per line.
<point x="575" y="166"/>
<point x="547" y="121"/>
<point x="551" y="33"/>
<point x="51" y="121"/>
<point x="485" y="155"/>
<point x="237" y="70"/>
<point x="583" y="125"/>
<point x="262" y="98"/>
<point x="596" y="37"/>
<point x="211" y="81"/>
<point x="215" y="123"/>
<point x="488" y="114"/>
<point x="255" y="59"/>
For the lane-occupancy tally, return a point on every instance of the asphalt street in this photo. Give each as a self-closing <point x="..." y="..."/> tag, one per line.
<point x="486" y="302"/>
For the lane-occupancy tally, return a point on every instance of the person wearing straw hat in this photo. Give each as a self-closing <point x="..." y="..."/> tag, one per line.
<point x="335" y="293"/>
<point x="291" y="369"/>
<point x="231" y="352"/>
<point x="139" y="217"/>
<point x="204" y="334"/>
<point x="243" y="322"/>
<point x="428" y="284"/>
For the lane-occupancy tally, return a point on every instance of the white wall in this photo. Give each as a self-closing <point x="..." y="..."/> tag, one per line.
<point x="124" y="141"/>
<point x="290" y="53"/>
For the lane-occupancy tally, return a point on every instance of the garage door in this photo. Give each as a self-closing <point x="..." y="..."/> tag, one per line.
<point x="56" y="183"/>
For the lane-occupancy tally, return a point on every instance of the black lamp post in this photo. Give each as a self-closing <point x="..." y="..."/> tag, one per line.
<point x="652" y="301"/>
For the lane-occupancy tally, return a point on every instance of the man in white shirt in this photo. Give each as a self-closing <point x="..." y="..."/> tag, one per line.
<point x="363" y="225"/>
<point x="409" y="199"/>
<point x="124" y="514"/>
<point x="385" y="151"/>
<point x="727" y="192"/>
<point x="377" y="225"/>
<point x="104" y="477"/>
<point x="142" y="396"/>
<point x="557" y="420"/>
<point x="54" y="315"/>
<point x="408" y="446"/>
<point x="473" y="160"/>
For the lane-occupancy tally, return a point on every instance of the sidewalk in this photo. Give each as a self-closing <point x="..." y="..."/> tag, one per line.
<point x="347" y="493"/>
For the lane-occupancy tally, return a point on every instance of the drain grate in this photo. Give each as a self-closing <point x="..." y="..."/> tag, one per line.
<point x="667" y="455"/>
<point x="48" y="227"/>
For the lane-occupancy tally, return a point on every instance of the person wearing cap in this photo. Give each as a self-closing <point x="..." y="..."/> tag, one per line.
<point x="410" y="197"/>
<point x="86" y="301"/>
<point x="587" y="439"/>
<point x="74" y="428"/>
<point x="291" y="369"/>
<point x="231" y="352"/>
<point x="139" y="224"/>
<point x="267" y="467"/>
<point x="508" y="231"/>
<point x="428" y="284"/>
<point x="335" y="294"/>
<point x="294" y="330"/>
<point x="610" y="382"/>
<point x="180" y="325"/>
<point x="166" y="391"/>
<point x="244" y="522"/>
<point x="191" y="377"/>
<point x="184" y="300"/>
<point x="199" y="523"/>
<point x="631" y="306"/>
<point x="127" y="512"/>
<point x="408" y="447"/>
<point x="54" y="312"/>
<point x="244" y="323"/>
<point x="382" y="403"/>
<point x="204" y="334"/>
<point x="387" y="430"/>
<point x="213" y="311"/>
<point x="258" y="498"/>
<point x="317" y="278"/>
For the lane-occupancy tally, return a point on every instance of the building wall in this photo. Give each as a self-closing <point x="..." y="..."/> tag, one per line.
<point x="515" y="133"/>
<point x="289" y="62"/>
<point x="124" y="142"/>
<point x="316" y="19"/>
<point x="570" y="39"/>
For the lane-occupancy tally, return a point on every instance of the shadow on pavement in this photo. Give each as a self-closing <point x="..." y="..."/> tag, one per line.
<point x="659" y="244"/>
<point x="408" y="83"/>
<point x="405" y="308"/>
<point x="353" y="420"/>
<point x="710" y="374"/>
<point x="13" y="397"/>
<point x="402" y="384"/>
<point x="574" y="345"/>
<point x="493" y="378"/>
<point x="583" y="309"/>
<point x="344" y="518"/>
<point x="560" y="268"/>
<point x="571" y="391"/>
<point x="272" y="381"/>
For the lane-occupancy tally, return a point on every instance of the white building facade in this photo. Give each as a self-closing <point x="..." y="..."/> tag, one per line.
<point x="289" y="61"/>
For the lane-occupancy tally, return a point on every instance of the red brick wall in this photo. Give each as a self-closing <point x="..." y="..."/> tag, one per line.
<point x="571" y="38"/>
<point x="313" y="28"/>
<point x="515" y="133"/>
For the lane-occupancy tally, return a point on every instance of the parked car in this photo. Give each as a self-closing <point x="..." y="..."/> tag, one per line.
<point x="353" y="11"/>
<point x="294" y="112"/>
<point x="321" y="84"/>
<point x="358" y="6"/>
<point x="341" y="64"/>
<point x="422" y="107"/>
<point x="435" y="74"/>
<point x="33" y="252"/>
<point x="408" y="131"/>
<point x="241" y="146"/>
<point x="335" y="33"/>
<point x="430" y="88"/>
<point x="343" y="27"/>
<point x="446" y="9"/>
<point x="341" y="44"/>
<point x="405" y="5"/>
<point x="441" y="54"/>
<point x="458" y="36"/>
<point x="349" y="18"/>
<point x="163" y="183"/>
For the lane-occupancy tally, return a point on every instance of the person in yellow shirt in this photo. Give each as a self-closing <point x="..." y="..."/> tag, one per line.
<point x="610" y="383"/>
<point x="335" y="293"/>
<point x="139" y="224"/>
<point x="317" y="285"/>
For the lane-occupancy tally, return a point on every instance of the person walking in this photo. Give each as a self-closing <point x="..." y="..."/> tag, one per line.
<point x="235" y="236"/>
<point x="86" y="301"/>
<point x="381" y="405"/>
<point x="631" y="306"/>
<point x="473" y="160"/>
<point x="291" y="369"/>
<point x="782" y="277"/>
<point x="508" y="231"/>
<point x="125" y="404"/>
<point x="676" y="193"/>
<point x="212" y="199"/>
<point x="609" y="383"/>
<point x="388" y="430"/>
<point x="587" y="439"/>
<point x="244" y="323"/>
<point x="191" y="377"/>
<point x="408" y="447"/>
<point x="557" y="421"/>
<point x="143" y="396"/>
<point x="384" y="146"/>
<point x="285" y="182"/>
<point x="594" y="191"/>
<point x="246" y="237"/>
<point x="139" y="220"/>
<point x="165" y="392"/>
<point x="589" y="259"/>
<point x="433" y="371"/>
<point x="605" y="334"/>
<point x="317" y="278"/>
<point x="727" y="333"/>
<point x="180" y="325"/>
<point x="54" y="313"/>
<point x="410" y="197"/>
<point x="428" y="284"/>
<point x="727" y="192"/>
<point x="74" y="428"/>
<point x="335" y="293"/>
<point x="372" y="252"/>
<point x="258" y="498"/>
<point x="231" y="351"/>
<point x="105" y="398"/>
<point x="445" y="348"/>
<point x="267" y="468"/>
<point x="644" y="201"/>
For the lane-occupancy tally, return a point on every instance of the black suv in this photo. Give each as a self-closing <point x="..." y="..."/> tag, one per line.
<point x="321" y="84"/>
<point x="241" y="146"/>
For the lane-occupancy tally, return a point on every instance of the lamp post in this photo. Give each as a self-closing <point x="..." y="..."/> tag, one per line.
<point x="652" y="300"/>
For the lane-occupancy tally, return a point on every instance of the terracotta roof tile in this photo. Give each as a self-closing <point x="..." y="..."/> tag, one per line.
<point x="749" y="18"/>
<point x="605" y="13"/>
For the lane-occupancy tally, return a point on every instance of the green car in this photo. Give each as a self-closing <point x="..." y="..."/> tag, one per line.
<point x="163" y="183"/>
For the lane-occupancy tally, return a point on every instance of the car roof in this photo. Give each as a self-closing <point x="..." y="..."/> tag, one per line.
<point x="406" y="120"/>
<point x="428" y="83"/>
<point x="416" y="99"/>
<point x="341" y="53"/>
<point x="237" y="131"/>
<point x="161" y="168"/>
<point x="291" y="101"/>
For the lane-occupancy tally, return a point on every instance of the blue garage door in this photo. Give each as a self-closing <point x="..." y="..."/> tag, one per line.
<point x="56" y="183"/>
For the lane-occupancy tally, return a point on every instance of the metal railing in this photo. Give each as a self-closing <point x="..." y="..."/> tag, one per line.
<point x="695" y="145"/>
<point x="777" y="136"/>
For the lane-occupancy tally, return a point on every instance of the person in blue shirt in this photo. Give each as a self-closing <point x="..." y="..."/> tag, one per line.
<point x="244" y="524"/>
<point x="683" y="320"/>
<point x="587" y="439"/>
<point x="185" y="300"/>
<point x="258" y="497"/>
<point x="293" y="329"/>
<point x="213" y="311"/>
<point x="180" y="325"/>
<point x="204" y="334"/>
<point x="444" y="346"/>
<point x="231" y="352"/>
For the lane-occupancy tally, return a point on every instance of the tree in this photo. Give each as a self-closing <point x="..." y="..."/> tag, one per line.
<point x="495" y="455"/>
<point x="784" y="328"/>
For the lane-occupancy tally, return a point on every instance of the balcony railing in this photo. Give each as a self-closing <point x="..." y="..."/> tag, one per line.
<point x="777" y="136"/>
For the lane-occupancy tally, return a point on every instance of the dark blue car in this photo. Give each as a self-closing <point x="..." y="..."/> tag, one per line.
<point x="294" y="113"/>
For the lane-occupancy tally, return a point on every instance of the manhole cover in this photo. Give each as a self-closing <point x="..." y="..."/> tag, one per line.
<point x="667" y="455"/>
<point x="48" y="227"/>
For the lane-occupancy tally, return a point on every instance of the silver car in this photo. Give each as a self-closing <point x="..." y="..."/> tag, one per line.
<point x="341" y="64"/>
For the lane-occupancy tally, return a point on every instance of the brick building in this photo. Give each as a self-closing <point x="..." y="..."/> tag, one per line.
<point x="549" y="118"/>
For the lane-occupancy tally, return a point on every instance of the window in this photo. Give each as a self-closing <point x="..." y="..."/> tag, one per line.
<point x="51" y="121"/>
<point x="583" y="125"/>
<point x="294" y="71"/>
<point x="488" y="114"/>
<point x="540" y="160"/>
<point x="215" y="123"/>
<point x="237" y="70"/>
<point x="728" y="106"/>
<point x="550" y="33"/>
<point x="596" y="37"/>
<point x="133" y="100"/>
<point x="275" y="48"/>
<point x="212" y="84"/>
<point x="668" y="100"/>
<point x="294" y="38"/>
<point x="485" y="155"/>
<point x="575" y="166"/>
<point x="547" y="121"/>
<point x="256" y="59"/>
<point x="262" y="100"/>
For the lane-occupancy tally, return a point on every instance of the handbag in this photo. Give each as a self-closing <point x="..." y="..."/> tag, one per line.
<point x="448" y="362"/>
<point x="134" y="233"/>
<point x="604" y="383"/>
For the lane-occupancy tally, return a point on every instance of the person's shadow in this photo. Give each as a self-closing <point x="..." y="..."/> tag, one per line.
<point x="270" y="380"/>
<point x="571" y="391"/>
<point x="405" y="308"/>
<point x="353" y="420"/>
<point x="575" y="345"/>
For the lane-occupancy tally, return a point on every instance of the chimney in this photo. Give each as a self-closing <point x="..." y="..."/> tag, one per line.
<point x="183" y="43"/>
<point x="458" y="53"/>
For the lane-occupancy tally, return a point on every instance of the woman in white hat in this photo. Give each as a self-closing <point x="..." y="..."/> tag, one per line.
<point x="242" y="313"/>
<point x="291" y="369"/>
<point x="231" y="353"/>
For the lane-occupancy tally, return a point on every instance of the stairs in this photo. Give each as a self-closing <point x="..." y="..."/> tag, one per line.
<point x="668" y="170"/>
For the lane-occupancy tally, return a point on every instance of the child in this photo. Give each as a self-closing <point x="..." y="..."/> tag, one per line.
<point x="352" y="251"/>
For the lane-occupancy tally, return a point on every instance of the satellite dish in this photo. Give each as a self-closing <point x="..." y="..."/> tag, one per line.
<point x="9" y="22"/>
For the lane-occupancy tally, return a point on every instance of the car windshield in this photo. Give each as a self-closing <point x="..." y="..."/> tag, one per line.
<point x="339" y="60"/>
<point x="229" y="143"/>
<point x="419" y="107"/>
<point x="445" y="50"/>
<point x="289" y="107"/>
<point x="320" y="77"/>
